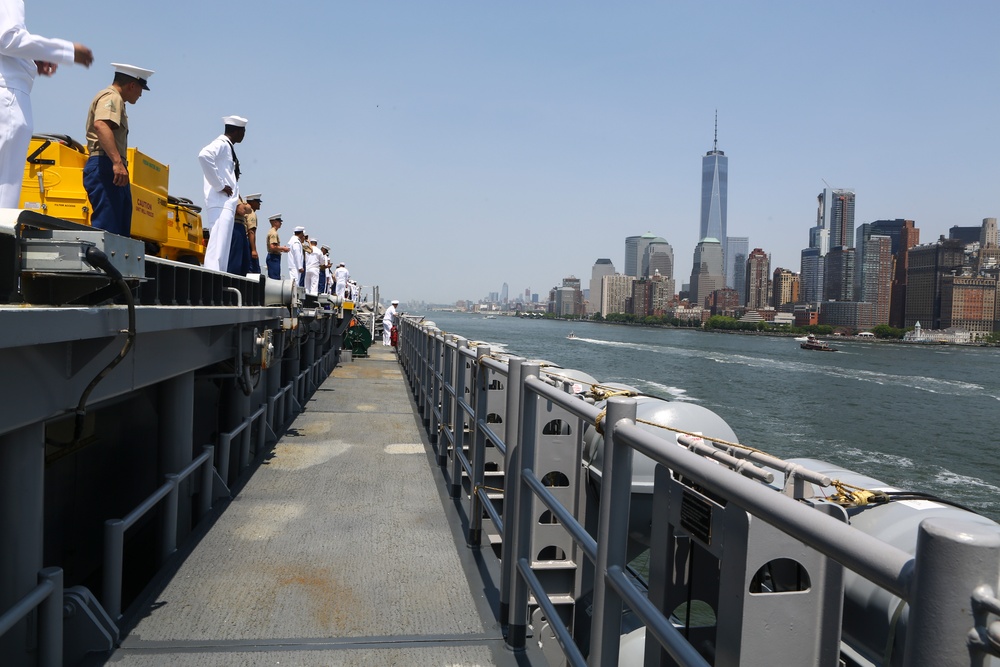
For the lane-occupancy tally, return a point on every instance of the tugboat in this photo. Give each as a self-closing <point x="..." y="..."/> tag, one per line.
<point x="813" y="343"/>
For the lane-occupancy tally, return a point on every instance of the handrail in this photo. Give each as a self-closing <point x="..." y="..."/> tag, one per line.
<point x="114" y="529"/>
<point x="885" y="566"/>
<point x="47" y="597"/>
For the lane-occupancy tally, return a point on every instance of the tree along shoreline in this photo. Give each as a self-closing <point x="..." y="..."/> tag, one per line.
<point x="730" y="325"/>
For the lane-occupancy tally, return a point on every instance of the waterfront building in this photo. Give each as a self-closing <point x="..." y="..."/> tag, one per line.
<point x="909" y="236"/>
<point x="989" y="237"/>
<point x="616" y="289"/>
<point x="842" y="219"/>
<point x="650" y="296"/>
<point x="969" y="302"/>
<point x="663" y="294"/>
<point x="785" y="288"/>
<point x="758" y="279"/>
<point x="635" y="251"/>
<point x="967" y="235"/>
<point x="854" y="315"/>
<point x="658" y="256"/>
<point x="876" y="275"/>
<point x="737" y="248"/>
<point x="811" y="276"/>
<point x="725" y="302"/>
<point x="819" y="236"/>
<point x="903" y="236"/>
<point x="602" y="267"/>
<point x="639" y="300"/>
<point x="706" y="272"/>
<point x="714" y="195"/>
<point x="632" y="256"/>
<point x="838" y="274"/>
<point x="839" y="260"/>
<point x="928" y="264"/>
<point x="812" y="268"/>
<point x="567" y="300"/>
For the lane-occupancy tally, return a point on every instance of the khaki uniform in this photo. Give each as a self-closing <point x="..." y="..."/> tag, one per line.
<point x="272" y="239"/>
<point x="108" y="105"/>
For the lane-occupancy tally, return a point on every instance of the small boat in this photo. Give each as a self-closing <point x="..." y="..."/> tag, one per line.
<point x="491" y="317"/>
<point x="813" y="343"/>
<point x="571" y="336"/>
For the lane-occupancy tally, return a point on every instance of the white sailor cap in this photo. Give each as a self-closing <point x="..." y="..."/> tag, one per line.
<point x="395" y="302"/>
<point x="235" y="121"/>
<point x="255" y="197"/>
<point x="324" y="247"/>
<point x="299" y="229"/>
<point x="341" y="264"/>
<point x="276" y="216"/>
<point x="313" y="241"/>
<point x="140" y="74"/>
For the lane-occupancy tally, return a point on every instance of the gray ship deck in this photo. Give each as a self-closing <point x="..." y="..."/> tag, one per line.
<point x="342" y="549"/>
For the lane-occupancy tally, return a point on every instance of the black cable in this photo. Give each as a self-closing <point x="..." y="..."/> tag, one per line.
<point x="99" y="260"/>
<point x="918" y="495"/>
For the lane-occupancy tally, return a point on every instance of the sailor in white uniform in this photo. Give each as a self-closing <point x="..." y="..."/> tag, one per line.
<point x="341" y="275"/>
<point x="326" y="272"/>
<point x="313" y="261"/>
<point x="221" y="170"/>
<point x="23" y="56"/>
<point x="387" y="320"/>
<point x="296" y="265"/>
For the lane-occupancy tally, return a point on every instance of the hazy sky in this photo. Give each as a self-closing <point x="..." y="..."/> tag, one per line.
<point x="443" y="148"/>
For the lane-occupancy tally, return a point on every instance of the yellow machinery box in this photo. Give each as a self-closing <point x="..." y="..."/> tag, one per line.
<point x="147" y="173"/>
<point x="185" y="242"/>
<point x="53" y="179"/>
<point x="53" y="185"/>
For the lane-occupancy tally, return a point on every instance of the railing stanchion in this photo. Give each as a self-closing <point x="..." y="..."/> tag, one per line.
<point x="111" y="587"/>
<point x="520" y="530"/>
<point x="50" y="620"/>
<point x="459" y="426"/>
<point x="514" y="389"/>
<point x="205" y="499"/>
<point x="169" y="537"/>
<point x="478" y="447"/>
<point x="612" y="533"/>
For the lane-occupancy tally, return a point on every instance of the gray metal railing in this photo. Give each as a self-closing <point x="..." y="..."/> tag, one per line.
<point x="244" y="431"/>
<point x="47" y="597"/>
<point x="114" y="529"/>
<point x="948" y="583"/>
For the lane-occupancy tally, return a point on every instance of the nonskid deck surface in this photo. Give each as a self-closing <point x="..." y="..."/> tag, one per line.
<point x="338" y="551"/>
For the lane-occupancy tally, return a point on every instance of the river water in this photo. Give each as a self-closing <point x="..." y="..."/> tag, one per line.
<point x="920" y="417"/>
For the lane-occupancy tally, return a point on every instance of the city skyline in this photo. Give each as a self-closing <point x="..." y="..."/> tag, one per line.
<point x="423" y="132"/>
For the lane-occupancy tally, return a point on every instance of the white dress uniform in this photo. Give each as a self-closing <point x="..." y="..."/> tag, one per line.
<point x="19" y="50"/>
<point x="329" y="275"/>
<point x="219" y="170"/>
<point x="387" y="319"/>
<point x="313" y="260"/>
<point x="295" y="260"/>
<point x="341" y="275"/>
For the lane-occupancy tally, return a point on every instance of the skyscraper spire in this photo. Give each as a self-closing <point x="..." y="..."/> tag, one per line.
<point x="715" y="144"/>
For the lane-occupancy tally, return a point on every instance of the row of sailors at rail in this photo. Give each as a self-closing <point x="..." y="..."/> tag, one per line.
<point x="309" y="266"/>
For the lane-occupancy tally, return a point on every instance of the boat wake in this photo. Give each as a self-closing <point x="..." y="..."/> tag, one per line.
<point x="662" y="390"/>
<point x="931" y="385"/>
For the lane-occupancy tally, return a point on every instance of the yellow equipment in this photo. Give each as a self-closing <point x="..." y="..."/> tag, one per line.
<point x="53" y="185"/>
